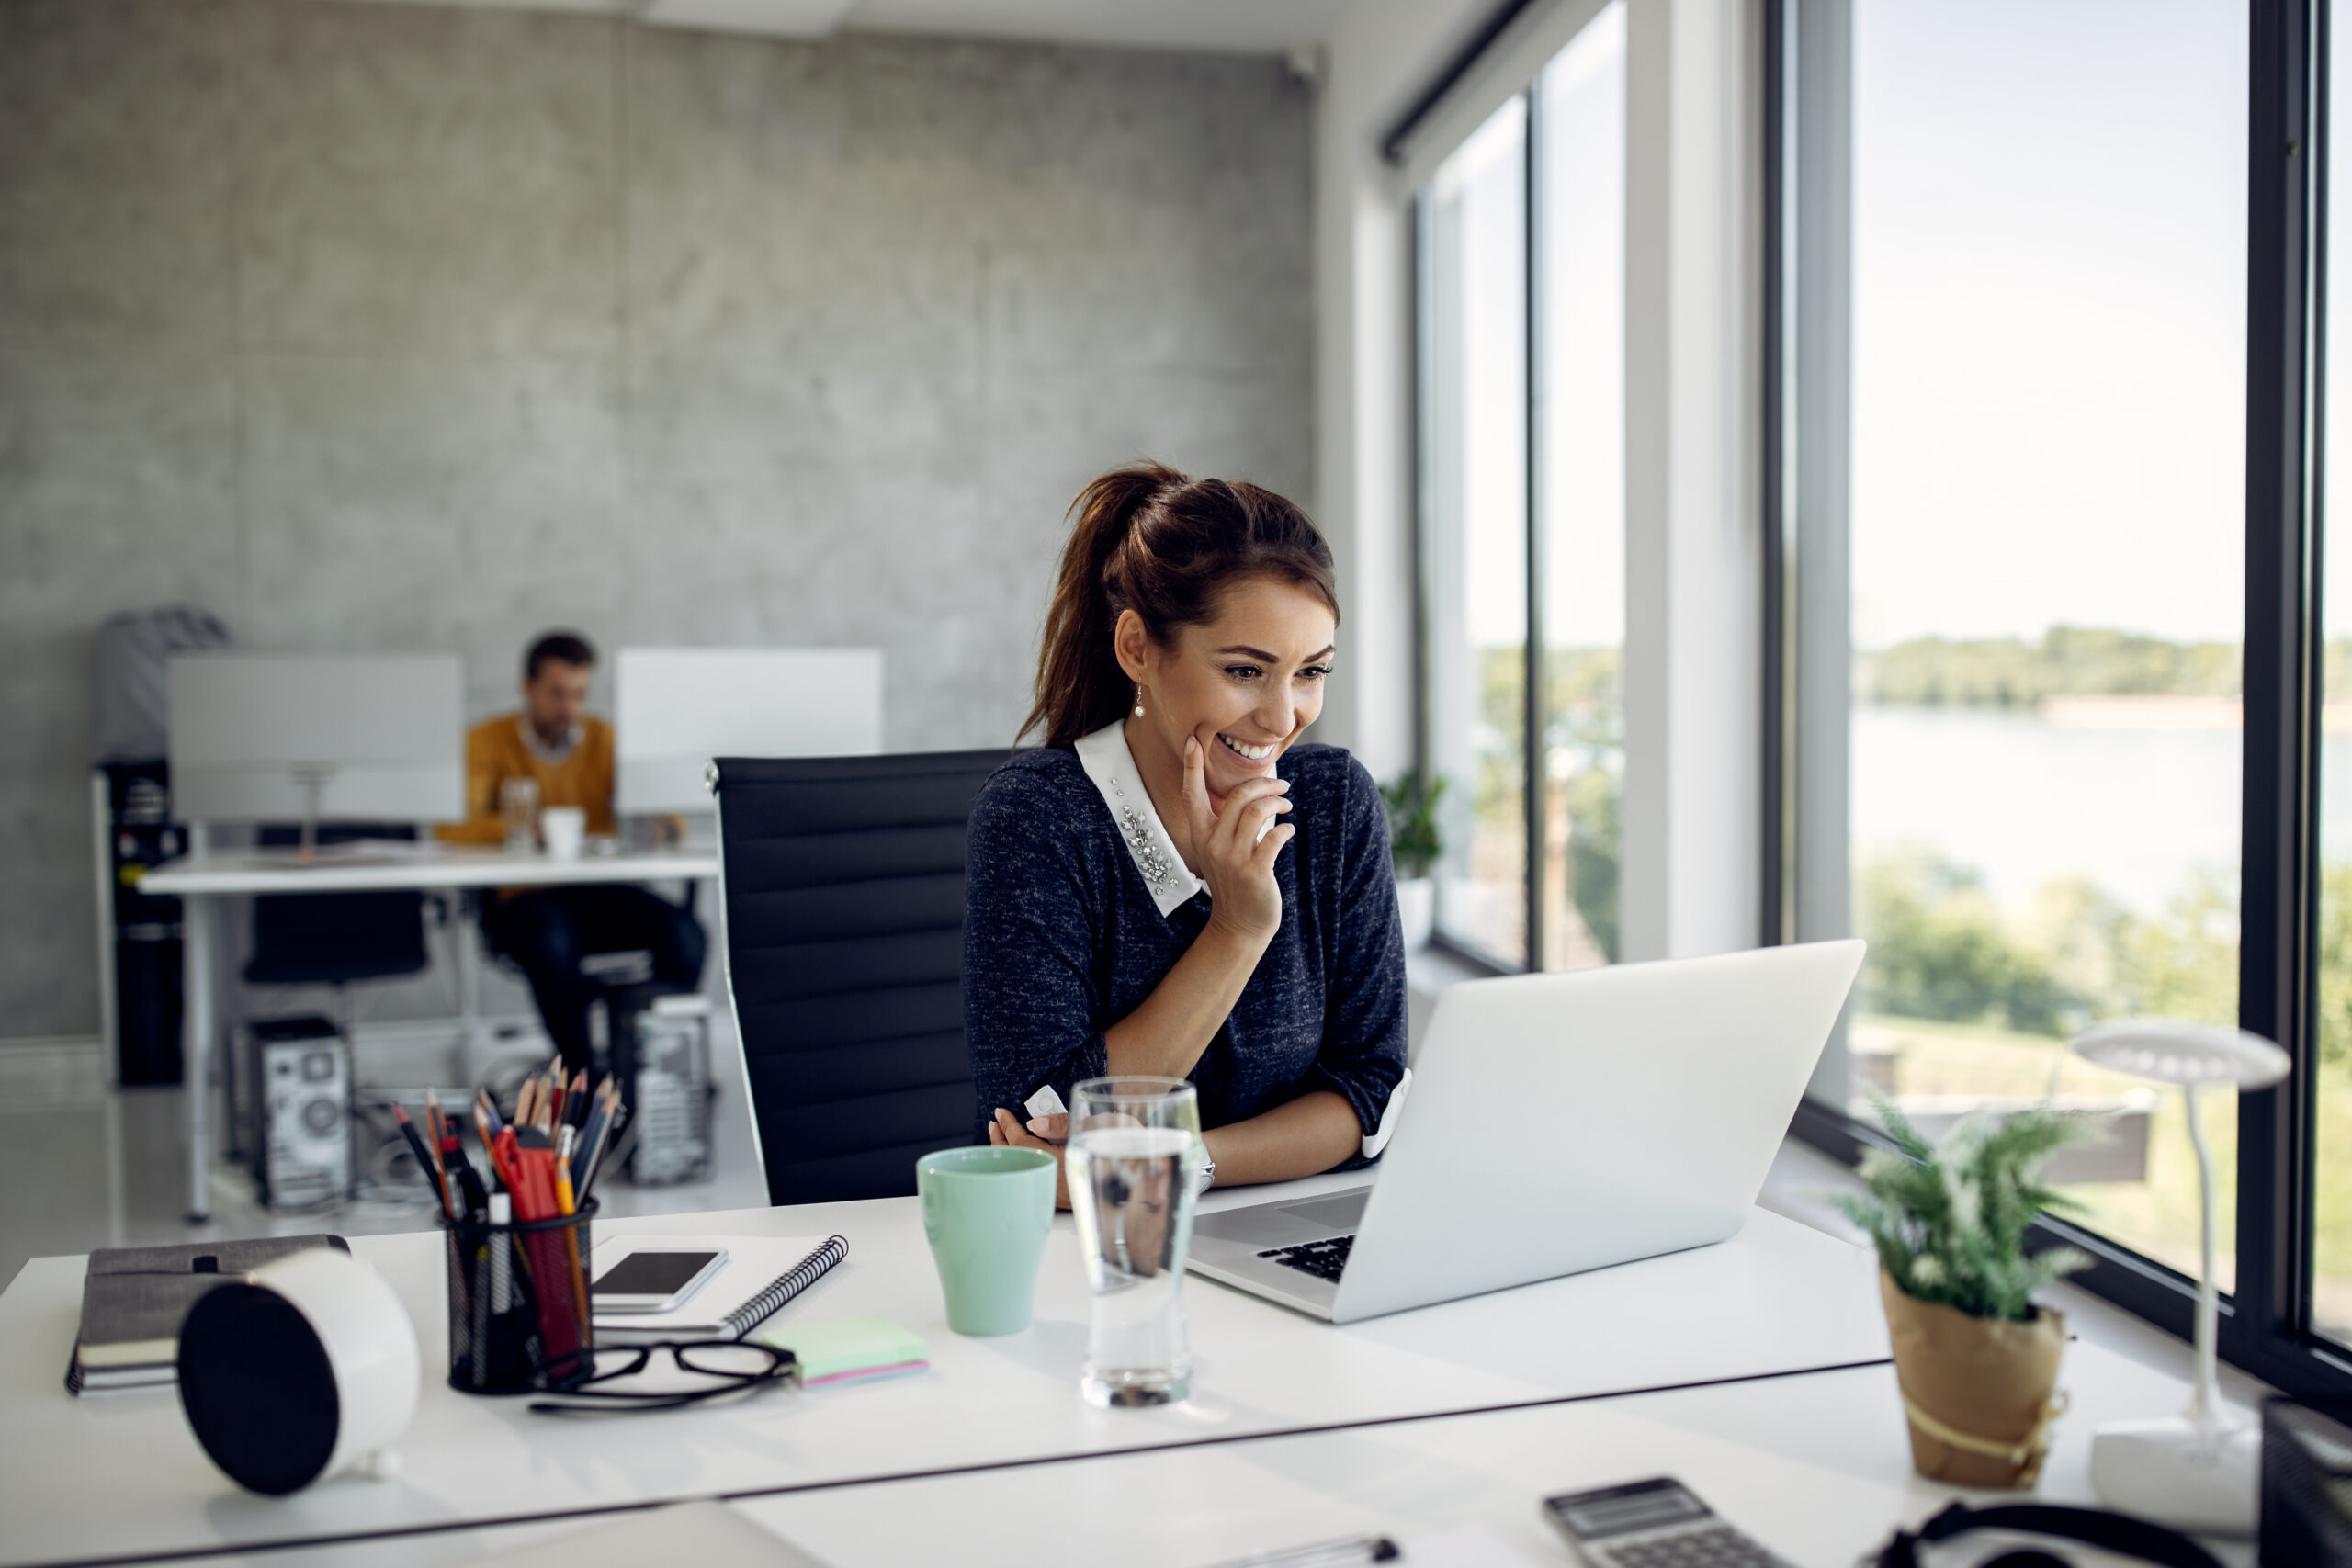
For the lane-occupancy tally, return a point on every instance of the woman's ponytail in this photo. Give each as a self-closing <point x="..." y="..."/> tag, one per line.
<point x="1151" y="540"/>
<point x="1080" y="687"/>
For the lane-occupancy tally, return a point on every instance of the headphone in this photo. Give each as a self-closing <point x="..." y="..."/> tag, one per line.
<point x="2118" y="1533"/>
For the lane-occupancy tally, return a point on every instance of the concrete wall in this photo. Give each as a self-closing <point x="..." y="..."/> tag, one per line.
<point x="401" y="327"/>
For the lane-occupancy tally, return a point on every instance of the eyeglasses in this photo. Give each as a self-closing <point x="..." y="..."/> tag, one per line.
<point x="734" y="1367"/>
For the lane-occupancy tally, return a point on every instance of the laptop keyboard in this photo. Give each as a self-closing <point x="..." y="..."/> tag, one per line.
<point x="1324" y="1259"/>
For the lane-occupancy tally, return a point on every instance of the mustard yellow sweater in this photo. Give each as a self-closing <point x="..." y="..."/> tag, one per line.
<point x="496" y="752"/>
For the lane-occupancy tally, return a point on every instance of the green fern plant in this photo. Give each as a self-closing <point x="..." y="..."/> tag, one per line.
<point x="1950" y="1220"/>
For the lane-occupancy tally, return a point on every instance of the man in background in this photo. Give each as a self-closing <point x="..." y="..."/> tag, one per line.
<point x="567" y="759"/>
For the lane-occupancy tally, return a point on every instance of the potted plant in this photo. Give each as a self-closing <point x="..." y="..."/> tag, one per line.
<point x="1976" y="1359"/>
<point x="1414" y="847"/>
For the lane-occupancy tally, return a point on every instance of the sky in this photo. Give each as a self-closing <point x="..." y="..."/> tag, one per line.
<point x="2049" y="322"/>
<point x="2049" y="304"/>
<point x="1582" y="162"/>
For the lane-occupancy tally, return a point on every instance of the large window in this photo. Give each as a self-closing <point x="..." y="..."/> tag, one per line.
<point x="2332" y="1054"/>
<point x="2039" y="390"/>
<point x="1521" y="346"/>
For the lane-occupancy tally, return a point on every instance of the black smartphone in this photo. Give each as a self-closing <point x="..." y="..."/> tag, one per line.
<point x="654" y="1280"/>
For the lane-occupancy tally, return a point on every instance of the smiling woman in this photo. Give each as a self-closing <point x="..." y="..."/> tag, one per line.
<point x="1172" y="885"/>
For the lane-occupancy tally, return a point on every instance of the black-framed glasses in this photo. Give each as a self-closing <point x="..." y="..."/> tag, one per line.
<point x="732" y="1367"/>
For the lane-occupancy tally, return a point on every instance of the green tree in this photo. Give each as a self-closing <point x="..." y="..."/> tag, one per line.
<point x="1939" y="950"/>
<point x="2334" y="956"/>
<point x="2186" y="964"/>
<point x="1594" y="838"/>
<point x="2067" y="662"/>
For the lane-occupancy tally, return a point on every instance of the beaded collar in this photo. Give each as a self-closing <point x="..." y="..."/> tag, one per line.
<point x="1112" y="766"/>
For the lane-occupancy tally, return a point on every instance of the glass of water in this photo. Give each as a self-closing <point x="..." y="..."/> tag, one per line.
<point x="1134" y="1144"/>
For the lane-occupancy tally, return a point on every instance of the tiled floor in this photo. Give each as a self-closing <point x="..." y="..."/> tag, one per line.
<point x="82" y="1167"/>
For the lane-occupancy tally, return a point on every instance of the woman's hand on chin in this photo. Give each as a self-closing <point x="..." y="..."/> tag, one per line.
<point x="1006" y="1132"/>
<point x="1236" y="863"/>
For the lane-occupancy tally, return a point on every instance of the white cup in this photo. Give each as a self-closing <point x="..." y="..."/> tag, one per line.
<point x="563" y="828"/>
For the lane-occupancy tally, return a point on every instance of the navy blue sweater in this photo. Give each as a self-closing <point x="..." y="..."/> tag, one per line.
<point x="1062" y="940"/>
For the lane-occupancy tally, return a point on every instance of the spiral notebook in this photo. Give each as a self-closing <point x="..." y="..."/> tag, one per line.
<point x="761" y="1273"/>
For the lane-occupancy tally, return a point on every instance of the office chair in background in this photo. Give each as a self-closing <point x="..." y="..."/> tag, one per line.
<point x="843" y="882"/>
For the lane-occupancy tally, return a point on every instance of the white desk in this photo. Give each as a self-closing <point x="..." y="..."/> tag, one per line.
<point x="1816" y="1466"/>
<point x="122" y="1477"/>
<point x="203" y="877"/>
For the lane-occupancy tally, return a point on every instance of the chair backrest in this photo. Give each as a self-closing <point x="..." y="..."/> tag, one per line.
<point x="311" y="939"/>
<point x="844" y="886"/>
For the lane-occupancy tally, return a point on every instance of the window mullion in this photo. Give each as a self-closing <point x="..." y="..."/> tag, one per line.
<point x="2274" y="923"/>
<point x="1535" y="794"/>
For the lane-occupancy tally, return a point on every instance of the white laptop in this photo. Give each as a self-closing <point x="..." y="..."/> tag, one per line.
<point x="1558" y="1123"/>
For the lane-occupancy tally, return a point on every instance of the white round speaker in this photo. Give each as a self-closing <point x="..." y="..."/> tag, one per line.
<point x="305" y="1367"/>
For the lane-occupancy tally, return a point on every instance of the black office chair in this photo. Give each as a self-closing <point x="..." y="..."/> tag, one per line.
<point x="843" y="882"/>
<point x="334" y="939"/>
<point x="622" y="977"/>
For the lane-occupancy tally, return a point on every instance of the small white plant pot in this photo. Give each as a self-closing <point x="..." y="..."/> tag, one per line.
<point x="1416" y="909"/>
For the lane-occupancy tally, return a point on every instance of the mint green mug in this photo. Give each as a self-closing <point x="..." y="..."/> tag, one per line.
<point x="987" y="1211"/>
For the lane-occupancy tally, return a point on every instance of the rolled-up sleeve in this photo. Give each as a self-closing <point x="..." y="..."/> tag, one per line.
<point x="1365" y="1020"/>
<point x="1032" y="989"/>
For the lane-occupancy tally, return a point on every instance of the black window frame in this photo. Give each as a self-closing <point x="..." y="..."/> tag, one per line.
<point x="2265" y="1323"/>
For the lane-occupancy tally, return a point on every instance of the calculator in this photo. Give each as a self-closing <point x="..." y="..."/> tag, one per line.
<point x="1658" y="1523"/>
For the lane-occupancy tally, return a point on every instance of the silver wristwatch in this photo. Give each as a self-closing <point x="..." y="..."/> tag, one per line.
<point x="1204" y="1176"/>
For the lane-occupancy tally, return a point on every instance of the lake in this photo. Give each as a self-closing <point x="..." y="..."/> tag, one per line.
<point x="2024" y="800"/>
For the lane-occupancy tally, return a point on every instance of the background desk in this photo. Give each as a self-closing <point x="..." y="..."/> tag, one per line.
<point x="122" y="1478"/>
<point x="203" y="877"/>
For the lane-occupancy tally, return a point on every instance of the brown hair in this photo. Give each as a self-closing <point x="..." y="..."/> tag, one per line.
<point x="1151" y="540"/>
<point x="568" y="648"/>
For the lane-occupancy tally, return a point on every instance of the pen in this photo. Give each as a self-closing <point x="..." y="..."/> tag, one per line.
<point x="453" y="1155"/>
<point x="439" y="1126"/>
<point x="1325" y="1555"/>
<point x="598" y="1135"/>
<point x="424" y="1163"/>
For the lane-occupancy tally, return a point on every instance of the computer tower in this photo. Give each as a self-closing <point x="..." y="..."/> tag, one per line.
<point x="139" y="933"/>
<point x="667" y="1085"/>
<point x="302" y="1145"/>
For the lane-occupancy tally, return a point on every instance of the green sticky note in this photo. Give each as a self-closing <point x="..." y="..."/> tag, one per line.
<point x="849" y="1349"/>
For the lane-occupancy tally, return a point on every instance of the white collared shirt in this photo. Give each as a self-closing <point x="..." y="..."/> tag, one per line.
<point x="551" y="755"/>
<point x="1109" y="763"/>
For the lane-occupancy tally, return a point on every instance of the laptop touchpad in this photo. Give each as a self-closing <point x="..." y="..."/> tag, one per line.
<point x="1286" y="1224"/>
<point x="1343" y="1212"/>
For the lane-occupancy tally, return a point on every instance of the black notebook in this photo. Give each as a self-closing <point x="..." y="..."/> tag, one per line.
<point x="134" y="1297"/>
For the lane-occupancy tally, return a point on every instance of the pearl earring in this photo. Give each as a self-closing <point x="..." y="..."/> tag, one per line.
<point x="1138" y="701"/>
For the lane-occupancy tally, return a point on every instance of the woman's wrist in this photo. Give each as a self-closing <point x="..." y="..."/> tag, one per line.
<point x="1247" y="946"/>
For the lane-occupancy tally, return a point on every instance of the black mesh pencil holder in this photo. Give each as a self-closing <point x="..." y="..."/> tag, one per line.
<point x="519" y="1311"/>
